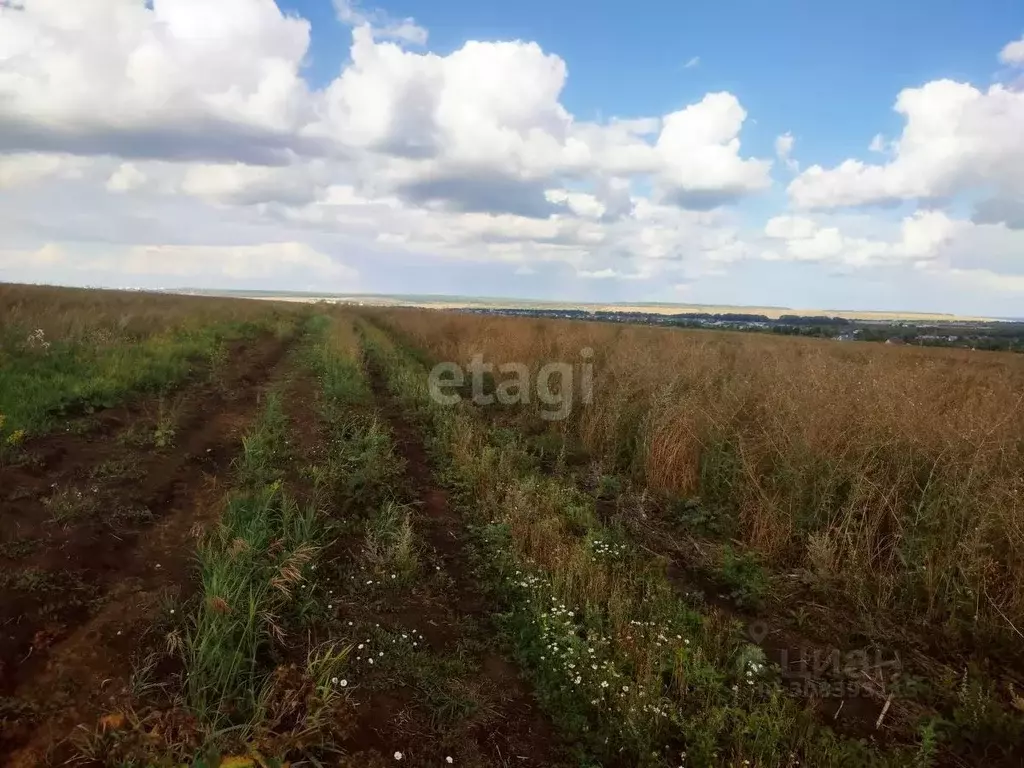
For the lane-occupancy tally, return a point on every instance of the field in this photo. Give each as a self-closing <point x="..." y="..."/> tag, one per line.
<point x="468" y="302"/>
<point x="249" y="533"/>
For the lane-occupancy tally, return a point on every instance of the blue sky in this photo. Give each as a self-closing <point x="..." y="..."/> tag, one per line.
<point x="797" y="66"/>
<point x="865" y="155"/>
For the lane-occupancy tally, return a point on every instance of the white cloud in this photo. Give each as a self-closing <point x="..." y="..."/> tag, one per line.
<point x="956" y="138"/>
<point x="926" y="239"/>
<point x="986" y="280"/>
<point x="190" y="125"/>
<point x="191" y="266"/>
<point x="1013" y="53"/>
<point x="44" y="257"/>
<point x="698" y="153"/>
<point x="182" y="78"/>
<point x="695" y="61"/>
<point x="583" y="205"/>
<point x="243" y="262"/>
<point x="790" y="227"/>
<point x="126" y="178"/>
<point x="29" y="168"/>
<point x="784" y="150"/>
<point x="479" y="129"/>
<point x="380" y="24"/>
<point x="239" y="184"/>
<point x="483" y="129"/>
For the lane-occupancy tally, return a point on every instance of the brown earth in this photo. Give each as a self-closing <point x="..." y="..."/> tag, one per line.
<point x="98" y="533"/>
<point x="509" y="729"/>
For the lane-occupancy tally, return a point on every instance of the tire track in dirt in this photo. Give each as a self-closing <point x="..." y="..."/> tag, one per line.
<point x="78" y="670"/>
<point x="60" y="458"/>
<point x="516" y="732"/>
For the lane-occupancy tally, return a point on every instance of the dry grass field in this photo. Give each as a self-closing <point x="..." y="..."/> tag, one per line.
<point x="896" y="472"/>
<point x="246" y="533"/>
<point x="870" y="493"/>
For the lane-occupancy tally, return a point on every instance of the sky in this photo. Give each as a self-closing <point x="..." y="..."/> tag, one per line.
<point x="861" y="155"/>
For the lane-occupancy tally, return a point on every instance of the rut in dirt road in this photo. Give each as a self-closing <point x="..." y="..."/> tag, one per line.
<point x="68" y="665"/>
<point x="518" y="733"/>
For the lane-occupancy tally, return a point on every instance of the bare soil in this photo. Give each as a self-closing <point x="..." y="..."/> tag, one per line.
<point x="507" y="727"/>
<point x="97" y="529"/>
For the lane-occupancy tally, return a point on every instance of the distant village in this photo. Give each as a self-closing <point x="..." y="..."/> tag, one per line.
<point x="986" y="335"/>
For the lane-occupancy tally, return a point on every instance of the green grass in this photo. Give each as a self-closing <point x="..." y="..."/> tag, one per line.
<point x="251" y="568"/>
<point x="254" y="675"/>
<point x="42" y="382"/>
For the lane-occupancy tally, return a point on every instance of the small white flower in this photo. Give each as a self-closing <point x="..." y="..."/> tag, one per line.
<point x="398" y="755"/>
<point x="334" y="681"/>
<point x="449" y="760"/>
<point x="343" y="683"/>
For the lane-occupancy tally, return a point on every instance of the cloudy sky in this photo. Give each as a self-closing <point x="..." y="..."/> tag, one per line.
<point x="863" y="155"/>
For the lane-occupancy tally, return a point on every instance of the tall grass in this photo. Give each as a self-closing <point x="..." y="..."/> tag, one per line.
<point x="260" y="598"/>
<point x="250" y="568"/>
<point x="634" y="675"/>
<point x="892" y="476"/>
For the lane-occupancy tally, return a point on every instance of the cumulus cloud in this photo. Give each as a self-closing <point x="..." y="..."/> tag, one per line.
<point x="482" y="128"/>
<point x="956" y="138"/>
<point x="174" y="78"/>
<point x="699" y="155"/>
<point x="1013" y="53"/>
<point x="240" y="184"/>
<point x="927" y="240"/>
<point x="191" y="124"/>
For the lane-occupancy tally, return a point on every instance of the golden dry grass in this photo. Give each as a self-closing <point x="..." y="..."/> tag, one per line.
<point x="893" y="474"/>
